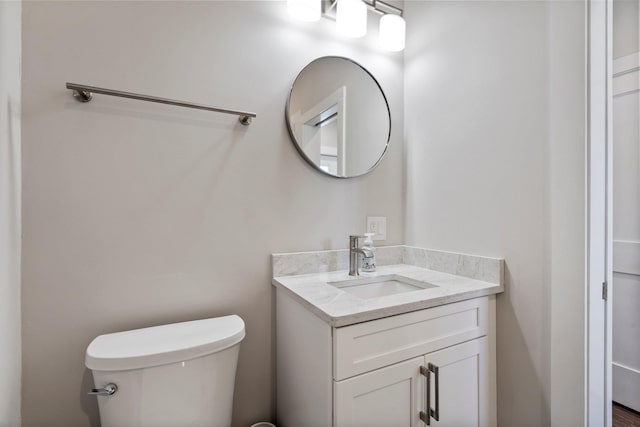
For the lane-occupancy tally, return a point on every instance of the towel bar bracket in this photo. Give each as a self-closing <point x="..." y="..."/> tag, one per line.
<point x="245" y="120"/>
<point x="82" y="95"/>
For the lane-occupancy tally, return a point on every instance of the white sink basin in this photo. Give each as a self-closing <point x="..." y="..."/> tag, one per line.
<point x="380" y="286"/>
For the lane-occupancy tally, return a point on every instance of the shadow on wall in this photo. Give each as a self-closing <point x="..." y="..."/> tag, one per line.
<point x="13" y="149"/>
<point x="161" y="114"/>
<point x="512" y="351"/>
<point x="10" y="232"/>
<point x="89" y="403"/>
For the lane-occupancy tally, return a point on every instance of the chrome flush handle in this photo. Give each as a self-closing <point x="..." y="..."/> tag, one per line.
<point x="107" y="390"/>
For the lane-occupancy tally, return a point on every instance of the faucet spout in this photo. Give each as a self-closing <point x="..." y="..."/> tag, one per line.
<point x="354" y="251"/>
<point x="365" y="252"/>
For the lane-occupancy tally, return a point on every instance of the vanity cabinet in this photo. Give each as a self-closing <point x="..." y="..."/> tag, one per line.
<point x="376" y="373"/>
<point x="396" y="395"/>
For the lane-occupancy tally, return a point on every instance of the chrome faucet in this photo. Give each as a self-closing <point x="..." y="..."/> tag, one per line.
<point x="354" y="251"/>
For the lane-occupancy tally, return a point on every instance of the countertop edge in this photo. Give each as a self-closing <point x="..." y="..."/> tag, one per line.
<point x="352" y="319"/>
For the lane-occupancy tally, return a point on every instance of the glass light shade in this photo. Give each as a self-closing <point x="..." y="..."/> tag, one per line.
<point x="305" y="10"/>
<point x="392" y="32"/>
<point x="351" y="18"/>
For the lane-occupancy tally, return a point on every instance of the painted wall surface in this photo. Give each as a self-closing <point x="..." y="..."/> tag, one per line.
<point x="494" y="134"/>
<point x="138" y="214"/>
<point x="10" y="152"/>
<point x="626" y="21"/>
<point x="566" y="212"/>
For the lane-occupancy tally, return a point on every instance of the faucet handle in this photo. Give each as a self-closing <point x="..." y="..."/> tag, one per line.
<point x="354" y="240"/>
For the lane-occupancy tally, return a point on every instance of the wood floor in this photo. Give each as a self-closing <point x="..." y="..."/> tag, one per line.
<point x="625" y="417"/>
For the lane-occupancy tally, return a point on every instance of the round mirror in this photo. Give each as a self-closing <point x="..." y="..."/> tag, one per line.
<point x="338" y="117"/>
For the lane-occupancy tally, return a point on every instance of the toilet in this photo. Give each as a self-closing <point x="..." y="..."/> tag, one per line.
<point x="182" y="374"/>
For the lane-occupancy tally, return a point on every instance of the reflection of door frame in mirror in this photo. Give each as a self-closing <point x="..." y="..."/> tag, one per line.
<point x="312" y="119"/>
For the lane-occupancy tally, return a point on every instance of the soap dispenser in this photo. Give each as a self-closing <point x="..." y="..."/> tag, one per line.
<point x="368" y="265"/>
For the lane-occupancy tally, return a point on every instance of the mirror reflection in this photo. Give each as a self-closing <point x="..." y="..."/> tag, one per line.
<point x="338" y="117"/>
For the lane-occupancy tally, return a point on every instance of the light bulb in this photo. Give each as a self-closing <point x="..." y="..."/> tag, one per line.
<point x="304" y="10"/>
<point x="392" y="32"/>
<point x="351" y="18"/>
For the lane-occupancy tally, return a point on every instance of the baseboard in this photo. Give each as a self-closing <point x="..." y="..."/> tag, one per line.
<point x="626" y="386"/>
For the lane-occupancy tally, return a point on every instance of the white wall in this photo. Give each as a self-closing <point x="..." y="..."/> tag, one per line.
<point x="626" y="39"/>
<point x="566" y="211"/>
<point x="495" y="141"/>
<point x="138" y="214"/>
<point x="10" y="45"/>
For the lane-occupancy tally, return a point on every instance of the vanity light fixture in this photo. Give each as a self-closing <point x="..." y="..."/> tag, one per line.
<point x="392" y="32"/>
<point x="305" y="10"/>
<point x="351" y="18"/>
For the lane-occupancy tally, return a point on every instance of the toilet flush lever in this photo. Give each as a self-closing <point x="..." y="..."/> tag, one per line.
<point x="107" y="390"/>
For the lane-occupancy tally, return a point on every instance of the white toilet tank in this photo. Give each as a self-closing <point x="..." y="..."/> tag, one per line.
<point x="175" y="375"/>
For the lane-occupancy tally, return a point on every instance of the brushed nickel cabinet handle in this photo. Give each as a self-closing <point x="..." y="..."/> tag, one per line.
<point x="426" y="416"/>
<point x="436" y="371"/>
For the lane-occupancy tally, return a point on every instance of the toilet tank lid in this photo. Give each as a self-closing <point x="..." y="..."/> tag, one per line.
<point x="160" y="345"/>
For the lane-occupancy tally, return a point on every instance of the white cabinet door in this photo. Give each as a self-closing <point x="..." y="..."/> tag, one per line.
<point x="463" y="391"/>
<point x="387" y="397"/>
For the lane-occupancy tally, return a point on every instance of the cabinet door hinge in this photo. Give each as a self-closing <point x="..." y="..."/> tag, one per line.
<point x="605" y="291"/>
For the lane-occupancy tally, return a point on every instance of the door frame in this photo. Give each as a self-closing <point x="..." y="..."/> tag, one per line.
<point x="599" y="215"/>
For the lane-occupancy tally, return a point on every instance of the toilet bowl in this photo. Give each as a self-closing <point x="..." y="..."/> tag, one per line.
<point x="182" y="374"/>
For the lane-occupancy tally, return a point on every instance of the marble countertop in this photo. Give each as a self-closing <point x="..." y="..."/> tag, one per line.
<point x="339" y="308"/>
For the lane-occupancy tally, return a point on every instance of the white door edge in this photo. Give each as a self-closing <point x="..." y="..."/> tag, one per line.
<point x="598" y="369"/>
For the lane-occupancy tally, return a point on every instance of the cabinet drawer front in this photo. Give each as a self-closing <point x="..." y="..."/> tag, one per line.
<point x="371" y="345"/>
